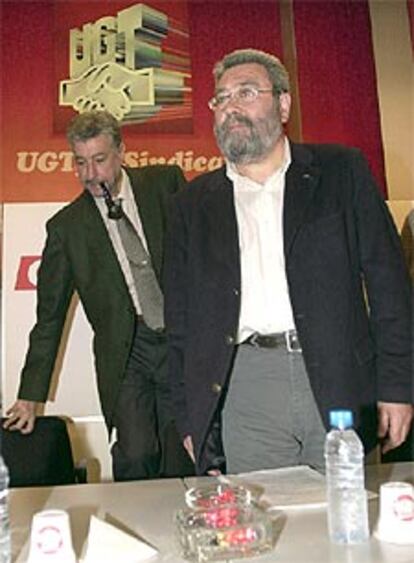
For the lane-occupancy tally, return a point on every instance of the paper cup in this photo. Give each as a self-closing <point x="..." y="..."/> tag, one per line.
<point x="396" y="517"/>
<point x="50" y="538"/>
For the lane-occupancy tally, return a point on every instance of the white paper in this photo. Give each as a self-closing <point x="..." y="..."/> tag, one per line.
<point x="285" y="488"/>
<point x="106" y="544"/>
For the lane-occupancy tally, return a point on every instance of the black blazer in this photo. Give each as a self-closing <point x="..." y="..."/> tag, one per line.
<point x="339" y="241"/>
<point x="79" y="256"/>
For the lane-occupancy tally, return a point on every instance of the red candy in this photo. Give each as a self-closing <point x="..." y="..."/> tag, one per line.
<point x="226" y="497"/>
<point x="222" y="517"/>
<point x="221" y="513"/>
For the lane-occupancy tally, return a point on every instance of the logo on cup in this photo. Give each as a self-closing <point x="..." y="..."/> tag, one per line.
<point x="403" y="507"/>
<point x="49" y="540"/>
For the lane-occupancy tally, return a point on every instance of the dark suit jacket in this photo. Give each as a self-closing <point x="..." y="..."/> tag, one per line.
<point x="338" y="237"/>
<point x="79" y="256"/>
<point x="407" y="239"/>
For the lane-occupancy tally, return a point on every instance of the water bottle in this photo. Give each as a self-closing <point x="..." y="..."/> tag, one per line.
<point x="5" y="545"/>
<point x="346" y="495"/>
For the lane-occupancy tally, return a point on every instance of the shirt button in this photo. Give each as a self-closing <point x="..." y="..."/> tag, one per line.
<point x="229" y="339"/>
<point x="236" y="291"/>
<point x="216" y="388"/>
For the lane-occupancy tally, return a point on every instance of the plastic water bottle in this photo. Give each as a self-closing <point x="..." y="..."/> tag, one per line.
<point x="346" y="495"/>
<point x="5" y="545"/>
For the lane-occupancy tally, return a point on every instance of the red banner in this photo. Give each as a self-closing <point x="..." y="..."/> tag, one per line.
<point x="151" y="64"/>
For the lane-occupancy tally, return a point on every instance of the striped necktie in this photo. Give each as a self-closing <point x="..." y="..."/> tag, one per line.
<point x="146" y="283"/>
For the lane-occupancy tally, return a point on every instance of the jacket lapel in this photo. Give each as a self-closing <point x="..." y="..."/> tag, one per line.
<point x="301" y="180"/>
<point x="219" y="220"/>
<point x="97" y="239"/>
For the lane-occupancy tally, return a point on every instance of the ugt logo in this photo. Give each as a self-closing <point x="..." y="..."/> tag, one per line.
<point x="119" y="64"/>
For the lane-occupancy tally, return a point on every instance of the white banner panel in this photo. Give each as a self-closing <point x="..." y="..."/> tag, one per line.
<point x="73" y="391"/>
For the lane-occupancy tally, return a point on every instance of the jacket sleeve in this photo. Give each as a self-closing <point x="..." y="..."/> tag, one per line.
<point x="55" y="288"/>
<point x="175" y="284"/>
<point x="387" y="285"/>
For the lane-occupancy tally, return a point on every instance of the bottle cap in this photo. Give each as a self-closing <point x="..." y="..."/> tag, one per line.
<point x="341" y="419"/>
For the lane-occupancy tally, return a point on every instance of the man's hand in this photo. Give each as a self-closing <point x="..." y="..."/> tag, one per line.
<point x="394" y="423"/>
<point x="21" y="416"/>
<point x="188" y="445"/>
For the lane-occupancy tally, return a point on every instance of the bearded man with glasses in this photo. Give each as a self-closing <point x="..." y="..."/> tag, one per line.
<point x="286" y="290"/>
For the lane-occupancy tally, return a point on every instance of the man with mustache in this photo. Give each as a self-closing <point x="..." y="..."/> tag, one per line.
<point x="84" y="252"/>
<point x="286" y="290"/>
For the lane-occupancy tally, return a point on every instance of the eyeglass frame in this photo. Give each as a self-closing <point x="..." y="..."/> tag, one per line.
<point x="234" y="94"/>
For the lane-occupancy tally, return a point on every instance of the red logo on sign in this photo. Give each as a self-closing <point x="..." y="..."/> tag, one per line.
<point x="26" y="274"/>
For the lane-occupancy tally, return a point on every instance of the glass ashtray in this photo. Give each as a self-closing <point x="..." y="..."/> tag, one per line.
<point x="226" y="531"/>
<point x="218" y="495"/>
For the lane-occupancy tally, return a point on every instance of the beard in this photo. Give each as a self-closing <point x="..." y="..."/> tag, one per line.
<point x="250" y="144"/>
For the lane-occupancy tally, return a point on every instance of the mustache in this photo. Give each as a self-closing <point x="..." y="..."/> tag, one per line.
<point x="236" y="119"/>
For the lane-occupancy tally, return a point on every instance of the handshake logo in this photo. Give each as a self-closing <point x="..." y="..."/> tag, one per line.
<point x="118" y="64"/>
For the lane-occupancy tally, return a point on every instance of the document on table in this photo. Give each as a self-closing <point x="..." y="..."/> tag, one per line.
<point x="286" y="488"/>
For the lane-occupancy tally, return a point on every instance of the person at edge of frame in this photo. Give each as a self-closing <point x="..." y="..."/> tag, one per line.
<point x="286" y="290"/>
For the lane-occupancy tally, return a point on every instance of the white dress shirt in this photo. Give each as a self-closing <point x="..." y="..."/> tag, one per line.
<point x="130" y="209"/>
<point x="265" y="302"/>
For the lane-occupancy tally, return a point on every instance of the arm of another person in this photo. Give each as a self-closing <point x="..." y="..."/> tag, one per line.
<point x="179" y="184"/>
<point x="407" y="240"/>
<point x="395" y="419"/>
<point x="54" y="292"/>
<point x="389" y="298"/>
<point x="175" y="289"/>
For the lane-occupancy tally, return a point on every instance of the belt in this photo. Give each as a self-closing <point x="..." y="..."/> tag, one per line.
<point x="288" y="340"/>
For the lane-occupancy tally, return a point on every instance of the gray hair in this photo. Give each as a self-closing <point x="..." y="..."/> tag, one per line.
<point x="277" y="73"/>
<point x="90" y="124"/>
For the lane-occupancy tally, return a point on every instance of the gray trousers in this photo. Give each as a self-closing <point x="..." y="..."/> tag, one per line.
<point x="270" y="418"/>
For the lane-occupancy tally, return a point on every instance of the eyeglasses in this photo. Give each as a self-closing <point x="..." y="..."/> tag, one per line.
<point x="242" y="94"/>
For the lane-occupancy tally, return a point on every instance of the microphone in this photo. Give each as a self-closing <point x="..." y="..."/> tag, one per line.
<point x="114" y="207"/>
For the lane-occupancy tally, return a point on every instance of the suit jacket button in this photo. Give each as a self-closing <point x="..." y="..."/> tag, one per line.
<point x="216" y="388"/>
<point x="229" y="339"/>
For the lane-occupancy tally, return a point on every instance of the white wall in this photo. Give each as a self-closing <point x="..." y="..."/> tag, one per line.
<point x="395" y="83"/>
